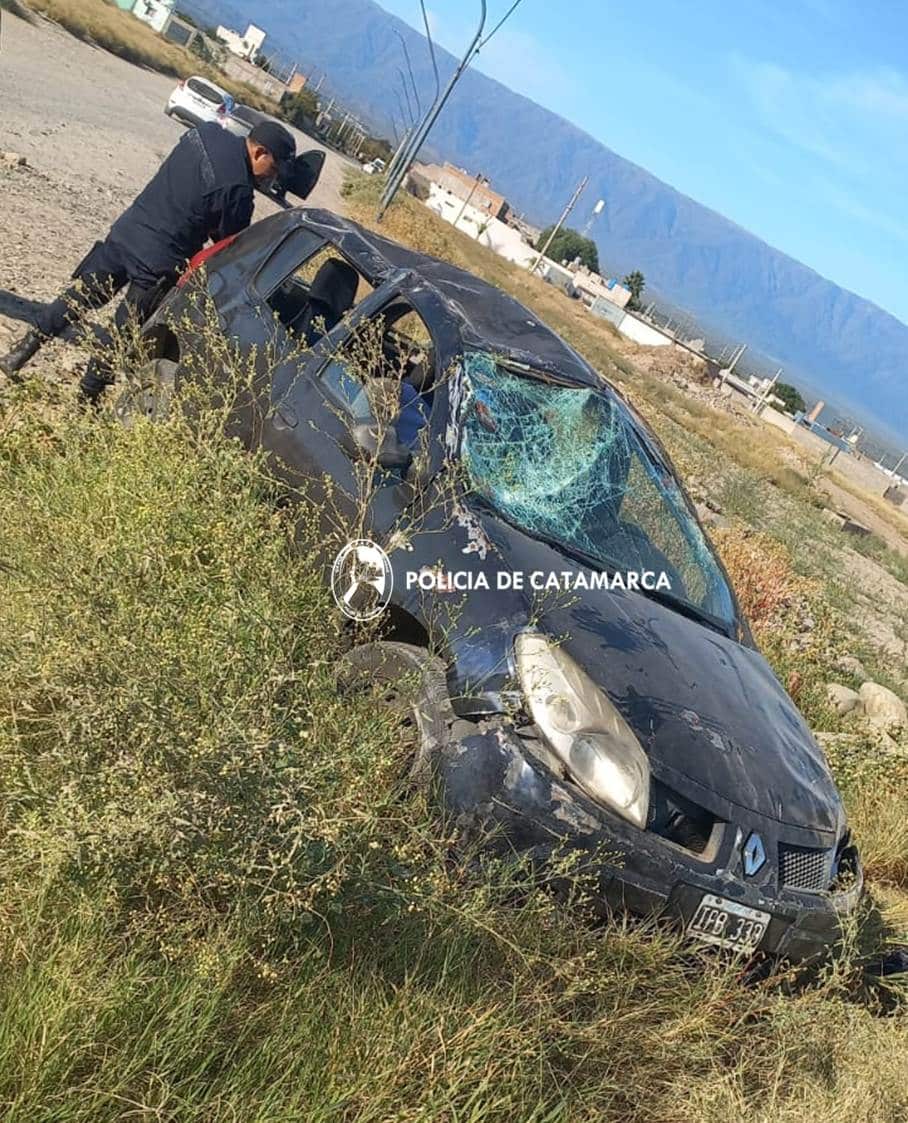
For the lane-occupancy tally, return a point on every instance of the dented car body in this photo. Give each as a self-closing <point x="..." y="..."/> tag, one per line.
<point x="632" y="721"/>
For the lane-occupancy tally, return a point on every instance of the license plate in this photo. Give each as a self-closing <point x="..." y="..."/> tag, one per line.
<point x="728" y="924"/>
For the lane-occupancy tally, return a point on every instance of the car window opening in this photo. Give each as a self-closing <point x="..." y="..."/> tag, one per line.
<point x="385" y="372"/>
<point x="567" y="465"/>
<point x="317" y="295"/>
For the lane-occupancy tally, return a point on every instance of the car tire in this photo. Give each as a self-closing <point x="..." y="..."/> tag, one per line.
<point x="148" y="394"/>
<point x="417" y="684"/>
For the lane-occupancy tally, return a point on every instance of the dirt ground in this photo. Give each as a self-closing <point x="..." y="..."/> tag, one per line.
<point x="92" y="129"/>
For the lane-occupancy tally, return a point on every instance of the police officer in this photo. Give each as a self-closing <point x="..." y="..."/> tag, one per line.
<point x="204" y="189"/>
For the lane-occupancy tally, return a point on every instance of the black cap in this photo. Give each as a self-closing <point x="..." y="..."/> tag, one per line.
<point x="278" y="141"/>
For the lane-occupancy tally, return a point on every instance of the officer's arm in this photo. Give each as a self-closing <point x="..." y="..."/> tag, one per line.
<point x="235" y="212"/>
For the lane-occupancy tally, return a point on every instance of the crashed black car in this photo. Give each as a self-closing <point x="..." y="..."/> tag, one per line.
<point x="570" y="705"/>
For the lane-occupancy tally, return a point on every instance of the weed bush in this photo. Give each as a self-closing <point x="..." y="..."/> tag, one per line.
<point x="222" y="900"/>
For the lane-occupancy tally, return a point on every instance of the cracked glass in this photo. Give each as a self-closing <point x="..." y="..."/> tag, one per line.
<point x="569" y="465"/>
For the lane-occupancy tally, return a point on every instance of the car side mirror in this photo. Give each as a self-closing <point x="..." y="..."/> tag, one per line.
<point x="304" y="174"/>
<point x="387" y="451"/>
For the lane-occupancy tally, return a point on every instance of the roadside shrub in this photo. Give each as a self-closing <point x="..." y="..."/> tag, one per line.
<point x="221" y="898"/>
<point x="761" y="573"/>
<point x="171" y="730"/>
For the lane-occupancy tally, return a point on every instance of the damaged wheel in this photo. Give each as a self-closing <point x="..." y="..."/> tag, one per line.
<point x="414" y="683"/>
<point x="148" y="394"/>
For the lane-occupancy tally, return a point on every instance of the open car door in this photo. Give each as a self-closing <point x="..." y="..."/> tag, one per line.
<point x="301" y="181"/>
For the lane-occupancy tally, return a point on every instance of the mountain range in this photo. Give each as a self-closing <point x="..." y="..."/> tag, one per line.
<point x="849" y="349"/>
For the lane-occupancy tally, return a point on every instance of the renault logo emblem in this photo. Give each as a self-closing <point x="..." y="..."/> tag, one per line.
<point x="754" y="854"/>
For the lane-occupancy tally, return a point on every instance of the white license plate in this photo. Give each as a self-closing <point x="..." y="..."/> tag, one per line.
<point x="728" y="924"/>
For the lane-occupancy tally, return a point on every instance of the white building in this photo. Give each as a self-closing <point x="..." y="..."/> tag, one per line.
<point x="476" y="222"/>
<point x="154" y="12"/>
<point x="592" y="287"/>
<point x="247" y="45"/>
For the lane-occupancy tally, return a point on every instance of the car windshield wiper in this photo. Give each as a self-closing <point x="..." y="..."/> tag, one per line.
<point x="685" y="608"/>
<point x="726" y="628"/>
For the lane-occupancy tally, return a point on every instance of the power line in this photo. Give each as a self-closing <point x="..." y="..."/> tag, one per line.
<point x="425" y="20"/>
<point x="500" y="24"/>
<point x="403" y="43"/>
<point x="404" y="159"/>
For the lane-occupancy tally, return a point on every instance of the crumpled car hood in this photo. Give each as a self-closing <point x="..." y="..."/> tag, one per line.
<point x="702" y="705"/>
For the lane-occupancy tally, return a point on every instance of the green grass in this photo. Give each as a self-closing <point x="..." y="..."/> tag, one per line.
<point x="222" y="900"/>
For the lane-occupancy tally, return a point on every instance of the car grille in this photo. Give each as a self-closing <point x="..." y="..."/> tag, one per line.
<point x="801" y="867"/>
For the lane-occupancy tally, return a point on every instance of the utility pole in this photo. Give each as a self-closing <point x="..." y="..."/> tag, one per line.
<point x="596" y="212"/>
<point x="325" y="113"/>
<point x="479" y="179"/>
<point x="403" y="44"/>
<point x="724" y="374"/>
<point x="561" y="221"/>
<point x="760" y="403"/>
<point x="403" y="82"/>
<point x="734" y="362"/>
<point x="738" y="355"/>
<point x="405" y="158"/>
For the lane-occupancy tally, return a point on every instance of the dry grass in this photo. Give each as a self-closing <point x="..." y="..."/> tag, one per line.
<point x="219" y="901"/>
<point x="762" y="576"/>
<point x="884" y="835"/>
<point x="102" y="23"/>
<point x="895" y="517"/>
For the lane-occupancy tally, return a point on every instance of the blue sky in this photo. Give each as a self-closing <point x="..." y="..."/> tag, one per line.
<point x="790" y="117"/>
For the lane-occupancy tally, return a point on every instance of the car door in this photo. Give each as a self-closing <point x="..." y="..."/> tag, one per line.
<point x="254" y="342"/>
<point x="317" y="408"/>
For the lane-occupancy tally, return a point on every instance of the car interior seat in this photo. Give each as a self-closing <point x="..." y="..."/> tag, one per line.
<point x="331" y="295"/>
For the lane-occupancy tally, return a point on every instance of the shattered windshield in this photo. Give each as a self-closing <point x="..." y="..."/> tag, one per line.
<point x="568" y="465"/>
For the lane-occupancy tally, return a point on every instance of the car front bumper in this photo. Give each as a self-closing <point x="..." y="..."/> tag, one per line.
<point x="490" y="783"/>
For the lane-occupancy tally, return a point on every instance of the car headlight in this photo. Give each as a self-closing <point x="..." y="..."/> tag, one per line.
<point x="583" y="728"/>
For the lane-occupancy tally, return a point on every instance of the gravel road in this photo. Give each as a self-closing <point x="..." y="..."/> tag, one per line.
<point x="92" y="129"/>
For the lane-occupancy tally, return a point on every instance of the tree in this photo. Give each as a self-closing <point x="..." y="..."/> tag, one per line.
<point x="374" y="148"/>
<point x="790" y="396"/>
<point x="300" y="109"/>
<point x="636" y="282"/>
<point x="567" y="245"/>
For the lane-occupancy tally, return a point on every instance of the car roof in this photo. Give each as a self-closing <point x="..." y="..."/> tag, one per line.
<point x="488" y="317"/>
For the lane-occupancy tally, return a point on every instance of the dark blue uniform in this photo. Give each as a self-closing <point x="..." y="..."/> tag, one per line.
<point x="204" y="189"/>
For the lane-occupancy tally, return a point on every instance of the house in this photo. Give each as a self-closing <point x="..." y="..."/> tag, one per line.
<point x="245" y="46"/>
<point x="591" y="287"/>
<point x="465" y="186"/>
<point x="153" y="12"/>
